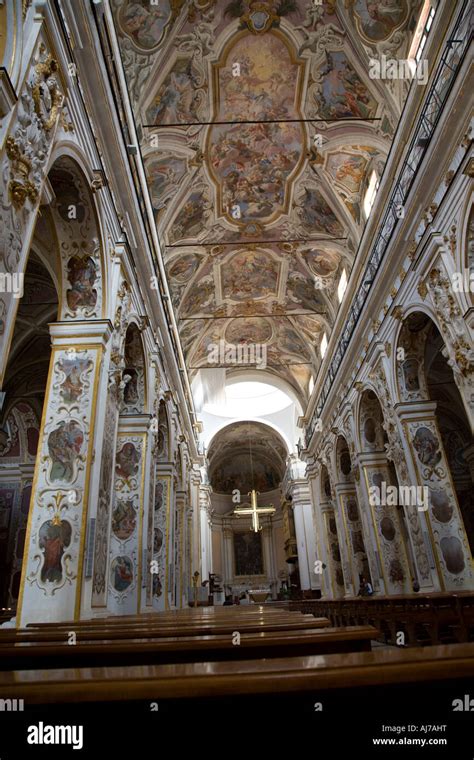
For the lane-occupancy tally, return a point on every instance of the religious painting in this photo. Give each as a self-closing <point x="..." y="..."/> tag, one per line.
<point x="72" y="386"/>
<point x="189" y="222"/>
<point x="183" y="267"/>
<point x="162" y="176"/>
<point x="387" y="528"/>
<point x="396" y="573"/>
<point x="127" y="461"/>
<point x="347" y="169"/>
<point x="143" y="22"/>
<point x="352" y="510"/>
<point x="121" y="573"/>
<point x="321" y="262"/>
<point x="248" y="553"/>
<point x="378" y="20"/>
<point x="453" y="554"/>
<point x="440" y="506"/>
<point x="345" y="462"/>
<point x="124" y="519"/>
<point x="342" y="92"/>
<point x="250" y="275"/>
<point x="427" y="447"/>
<point x="248" y="331"/>
<point x="303" y="292"/>
<point x="235" y="473"/>
<point x="317" y="215"/>
<point x="64" y="446"/>
<point x="370" y="433"/>
<point x="252" y="163"/>
<point x="200" y="297"/>
<point x="178" y="97"/>
<point x="82" y="275"/>
<point x="410" y="375"/>
<point x="157" y="540"/>
<point x="290" y="342"/>
<point x="67" y="194"/>
<point x="54" y="538"/>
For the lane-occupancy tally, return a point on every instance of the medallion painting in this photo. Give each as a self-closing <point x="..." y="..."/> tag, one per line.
<point x="72" y="386"/>
<point x="64" y="446"/>
<point x="121" y="573"/>
<point x="253" y="163"/>
<point x="54" y="538"/>
<point x="144" y="22"/>
<point x="82" y="274"/>
<point x="376" y="21"/>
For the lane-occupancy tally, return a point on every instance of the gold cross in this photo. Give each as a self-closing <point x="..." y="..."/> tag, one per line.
<point x="254" y="510"/>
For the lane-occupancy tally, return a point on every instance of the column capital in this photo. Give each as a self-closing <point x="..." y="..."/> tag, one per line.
<point x="416" y="410"/>
<point x="134" y="423"/>
<point x="81" y="332"/>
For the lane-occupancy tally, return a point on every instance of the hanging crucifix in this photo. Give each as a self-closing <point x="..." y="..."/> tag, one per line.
<point x="254" y="510"/>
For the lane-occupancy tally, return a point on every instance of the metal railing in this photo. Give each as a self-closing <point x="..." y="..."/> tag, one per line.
<point x="448" y="67"/>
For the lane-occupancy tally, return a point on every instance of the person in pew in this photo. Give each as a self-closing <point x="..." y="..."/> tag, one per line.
<point x="228" y="601"/>
<point x="365" y="588"/>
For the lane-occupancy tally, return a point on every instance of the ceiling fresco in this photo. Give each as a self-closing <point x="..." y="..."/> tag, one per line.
<point x="260" y="128"/>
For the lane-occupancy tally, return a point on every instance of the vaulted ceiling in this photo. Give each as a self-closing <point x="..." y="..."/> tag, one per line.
<point x="246" y="455"/>
<point x="260" y="128"/>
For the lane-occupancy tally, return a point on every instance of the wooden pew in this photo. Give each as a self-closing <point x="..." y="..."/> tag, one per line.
<point x="315" y="674"/>
<point x="145" y="651"/>
<point x="159" y="629"/>
<point x="424" y="618"/>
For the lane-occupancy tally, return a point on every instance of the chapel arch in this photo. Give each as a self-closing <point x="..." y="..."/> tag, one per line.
<point x="79" y="241"/>
<point x="23" y="390"/>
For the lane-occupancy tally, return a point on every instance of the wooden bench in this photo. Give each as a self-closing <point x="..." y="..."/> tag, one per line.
<point x="156" y="630"/>
<point x="144" y="651"/>
<point x="315" y="674"/>
<point x="423" y="618"/>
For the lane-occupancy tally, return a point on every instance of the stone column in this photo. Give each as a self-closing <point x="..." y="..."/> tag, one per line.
<point x="396" y="575"/>
<point x="305" y="534"/>
<point x="53" y="563"/>
<point x="313" y="472"/>
<point x="205" y="530"/>
<point x="179" y="558"/>
<point x="162" y="536"/>
<point x="196" y="521"/>
<point x="442" y="522"/>
<point x="228" y="555"/>
<point x="268" y="556"/>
